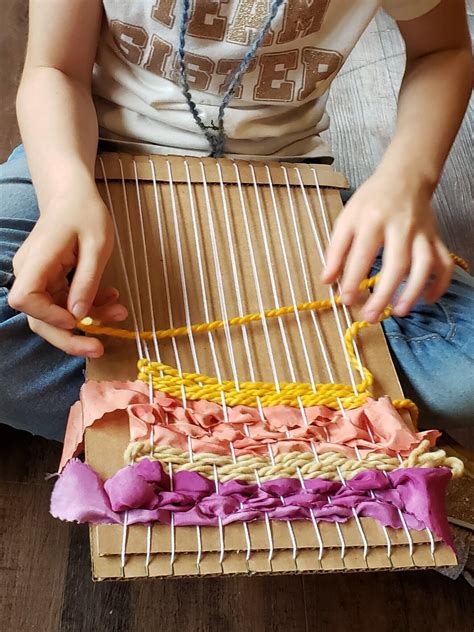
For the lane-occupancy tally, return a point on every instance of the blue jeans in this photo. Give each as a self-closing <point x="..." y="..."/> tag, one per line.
<point x="433" y="347"/>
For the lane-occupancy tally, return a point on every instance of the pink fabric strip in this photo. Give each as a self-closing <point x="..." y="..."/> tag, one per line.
<point x="144" y="491"/>
<point x="204" y="422"/>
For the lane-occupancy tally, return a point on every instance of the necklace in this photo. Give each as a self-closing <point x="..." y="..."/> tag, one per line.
<point x="215" y="131"/>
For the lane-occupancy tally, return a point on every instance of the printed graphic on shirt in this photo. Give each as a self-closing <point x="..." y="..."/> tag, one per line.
<point x="206" y="22"/>
<point x="247" y="20"/>
<point x="163" y="12"/>
<point x="302" y="18"/>
<point x="288" y="71"/>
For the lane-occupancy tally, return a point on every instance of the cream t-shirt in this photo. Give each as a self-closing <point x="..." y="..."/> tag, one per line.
<point x="279" y="109"/>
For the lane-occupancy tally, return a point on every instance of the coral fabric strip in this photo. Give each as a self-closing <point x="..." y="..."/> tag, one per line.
<point x="144" y="491"/>
<point x="204" y="422"/>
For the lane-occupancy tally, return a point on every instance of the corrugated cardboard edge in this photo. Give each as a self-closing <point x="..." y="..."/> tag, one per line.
<point x="118" y="166"/>
<point x="307" y="561"/>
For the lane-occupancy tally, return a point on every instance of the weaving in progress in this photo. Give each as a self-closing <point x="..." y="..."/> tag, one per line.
<point x="265" y="430"/>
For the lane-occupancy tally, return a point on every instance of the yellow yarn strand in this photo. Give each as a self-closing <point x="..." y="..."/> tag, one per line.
<point x="197" y="386"/>
<point x="203" y="387"/>
<point x="459" y="261"/>
<point x="90" y="326"/>
<point x="94" y="327"/>
<point x="329" y="466"/>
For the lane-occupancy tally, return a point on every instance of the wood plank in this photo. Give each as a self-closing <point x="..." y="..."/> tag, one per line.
<point x="400" y="602"/>
<point x="12" y="51"/>
<point x="33" y="546"/>
<point x="88" y="605"/>
<point x="33" y="558"/>
<point x="360" y="133"/>
<point x="26" y="458"/>
<point x="261" y="604"/>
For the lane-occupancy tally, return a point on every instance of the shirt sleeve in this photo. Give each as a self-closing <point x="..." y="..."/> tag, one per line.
<point x="408" y="9"/>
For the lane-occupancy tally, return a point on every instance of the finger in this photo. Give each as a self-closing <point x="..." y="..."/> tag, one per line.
<point x="21" y="255"/>
<point x="395" y="263"/>
<point x="443" y="273"/>
<point x="31" y="291"/>
<point x="422" y="264"/>
<point x="92" y="259"/>
<point x="336" y="252"/>
<point x="58" y="290"/>
<point x="38" y="303"/>
<point x="361" y="257"/>
<point x="109" y="313"/>
<point x="106" y="296"/>
<point x="57" y="283"/>
<point x="60" y="298"/>
<point x="67" y="341"/>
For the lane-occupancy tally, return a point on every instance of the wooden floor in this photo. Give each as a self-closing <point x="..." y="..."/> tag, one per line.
<point x="45" y="580"/>
<point x="44" y="565"/>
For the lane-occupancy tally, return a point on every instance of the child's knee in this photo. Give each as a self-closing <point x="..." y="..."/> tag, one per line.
<point x="438" y="376"/>
<point x="448" y="410"/>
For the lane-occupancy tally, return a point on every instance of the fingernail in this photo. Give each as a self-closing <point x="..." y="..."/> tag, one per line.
<point x="347" y="298"/>
<point x="80" y="309"/>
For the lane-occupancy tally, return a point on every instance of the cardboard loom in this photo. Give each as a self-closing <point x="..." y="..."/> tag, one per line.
<point x="139" y="192"/>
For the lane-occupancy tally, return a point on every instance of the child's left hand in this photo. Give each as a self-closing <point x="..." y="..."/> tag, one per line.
<point x="394" y="213"/>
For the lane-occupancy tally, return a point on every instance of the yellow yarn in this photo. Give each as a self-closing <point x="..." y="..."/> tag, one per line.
<point x="197" y="386"/>
<point x="203" y="387"/>
<point x="90" y="326"/>
<point x="459" y="261"/>
<point x="287" y="465"/>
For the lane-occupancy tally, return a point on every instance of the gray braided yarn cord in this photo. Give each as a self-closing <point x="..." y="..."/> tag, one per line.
<point x="215" y="132"/>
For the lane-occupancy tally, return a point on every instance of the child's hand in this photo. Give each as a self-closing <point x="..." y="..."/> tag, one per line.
<point x="388" y="212"/>
<point x="74" y="232"/>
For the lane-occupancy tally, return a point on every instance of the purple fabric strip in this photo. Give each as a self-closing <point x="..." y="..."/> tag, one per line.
<point x="144" y="490"/>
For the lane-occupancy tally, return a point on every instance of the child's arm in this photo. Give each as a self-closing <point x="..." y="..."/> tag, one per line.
<point x="59" y="129"/>
<point x="393" y="208"/>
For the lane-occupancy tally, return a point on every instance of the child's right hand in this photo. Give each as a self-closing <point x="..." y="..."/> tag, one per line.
<point x="74" y="232"/>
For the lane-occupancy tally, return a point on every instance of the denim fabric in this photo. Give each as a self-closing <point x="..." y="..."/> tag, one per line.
<point x="38" y="383"/>
<point x="433" y="347"/>
<point x="433" y="350"/>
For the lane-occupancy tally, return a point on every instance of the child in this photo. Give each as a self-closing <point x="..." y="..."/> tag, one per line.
<point x="165" y="74"/>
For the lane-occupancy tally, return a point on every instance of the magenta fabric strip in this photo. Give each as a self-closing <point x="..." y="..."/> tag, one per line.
<point x="144" y="490"/>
